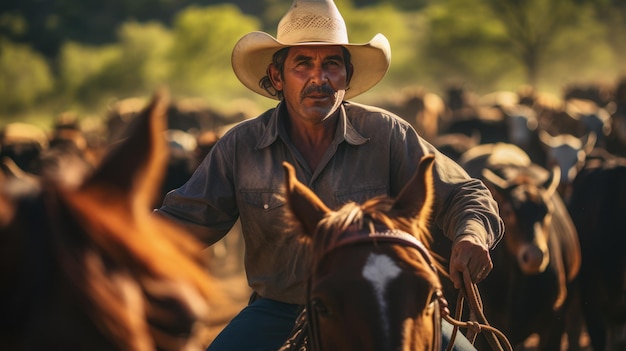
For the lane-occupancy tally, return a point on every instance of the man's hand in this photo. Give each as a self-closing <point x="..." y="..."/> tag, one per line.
<point x="469" y="253"/>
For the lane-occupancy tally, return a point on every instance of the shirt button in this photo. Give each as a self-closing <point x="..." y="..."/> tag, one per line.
<point x="266" y="206"/>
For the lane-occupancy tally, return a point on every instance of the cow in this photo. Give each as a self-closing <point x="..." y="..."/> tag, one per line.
<point x="454" y="145"/>
<point x="486" y="121"/>
<point x="23" y="144"/>
<point x="423" y="109"/>
<point x="598" y="209"/>
<point x="527" y="290"/>
<point x="568" y="152"/>
<point x="616" y="140"/>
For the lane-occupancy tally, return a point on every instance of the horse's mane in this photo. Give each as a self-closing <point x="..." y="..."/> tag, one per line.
<point x="369" y="217"/>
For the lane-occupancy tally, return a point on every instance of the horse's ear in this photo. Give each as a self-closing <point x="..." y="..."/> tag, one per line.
<point x="134" y="167"/>
<point x="418" y="195"/>
<point x="307" y="207"/>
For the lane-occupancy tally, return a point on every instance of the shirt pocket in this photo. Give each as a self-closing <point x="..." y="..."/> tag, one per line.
<point x="360" y="195"/>
<point x="263" y="199"/>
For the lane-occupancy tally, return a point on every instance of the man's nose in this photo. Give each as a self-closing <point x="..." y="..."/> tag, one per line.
<point x="318" y="75"/>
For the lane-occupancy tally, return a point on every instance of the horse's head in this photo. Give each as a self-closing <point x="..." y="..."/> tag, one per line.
<point x="374" y="283"/>
<point x="89" y="267"/>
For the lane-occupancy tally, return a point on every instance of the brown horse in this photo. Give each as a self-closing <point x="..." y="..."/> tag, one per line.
<point x="374" y="283"/>
<point x="89" y="267"/>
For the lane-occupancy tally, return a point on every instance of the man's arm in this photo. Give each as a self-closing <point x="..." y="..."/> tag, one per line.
<point x="201" y="233"/>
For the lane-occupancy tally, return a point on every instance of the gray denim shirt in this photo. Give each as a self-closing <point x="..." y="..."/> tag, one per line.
<point x="373" y="153"/>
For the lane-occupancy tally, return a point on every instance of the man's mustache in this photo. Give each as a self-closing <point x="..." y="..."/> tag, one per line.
<point x="318" y="89"/>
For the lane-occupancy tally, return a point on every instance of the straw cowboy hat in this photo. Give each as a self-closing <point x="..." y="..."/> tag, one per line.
<point x="310" y="22"/>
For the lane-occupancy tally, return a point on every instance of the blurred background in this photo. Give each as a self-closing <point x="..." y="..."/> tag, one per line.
<point x="546" y="75"/>
<point x="81" y="57"/>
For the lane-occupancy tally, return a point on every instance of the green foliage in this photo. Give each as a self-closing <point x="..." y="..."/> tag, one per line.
<point x="532" y="26"/>
<point x="24" y="76"/>
<point x="498" y="44"/>
<point x="466" y="43"/>
<point x="136" y="64"/>
<point x="364" y="23"/>
<point x="79" y="65"/>
<point x="77" y="53"/>
<point x="274" y="11"/>
<point x="13" y="24"/>
<point x="203" y="41"/>
<point x="145" y="63"/>
<point x="579" y="46"/>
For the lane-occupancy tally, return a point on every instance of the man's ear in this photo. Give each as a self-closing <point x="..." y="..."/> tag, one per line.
<point x="275" y="77"/>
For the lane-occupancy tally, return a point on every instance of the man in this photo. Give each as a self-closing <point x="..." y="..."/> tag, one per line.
<point x="342" y="150"/>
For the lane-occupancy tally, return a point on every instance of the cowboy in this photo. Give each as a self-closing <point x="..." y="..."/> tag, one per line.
<point x="344" y="151"/>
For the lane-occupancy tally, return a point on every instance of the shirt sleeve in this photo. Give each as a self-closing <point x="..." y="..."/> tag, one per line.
<point x="463" y="205"/>
<point x="206" y="200"/>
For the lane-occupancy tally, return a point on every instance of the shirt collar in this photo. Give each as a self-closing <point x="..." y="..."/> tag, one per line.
<point x="345" y="130"/>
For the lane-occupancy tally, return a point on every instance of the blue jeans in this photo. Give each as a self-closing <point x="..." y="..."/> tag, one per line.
<point x="264" y="325"/>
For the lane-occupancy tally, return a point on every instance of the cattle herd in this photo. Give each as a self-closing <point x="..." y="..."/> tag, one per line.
<point x="557" y="167"/>
<point x="555" y="164"/>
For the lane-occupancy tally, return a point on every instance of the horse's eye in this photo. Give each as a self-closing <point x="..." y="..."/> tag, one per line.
<point x="320" y="308"/>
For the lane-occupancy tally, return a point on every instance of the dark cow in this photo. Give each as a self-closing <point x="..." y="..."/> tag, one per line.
<point x="568" y="153"/>
<point x="181" y="162"/>
<point x="496" y="117"/>
<point x="600" y="94"/>
<point x="598" y="208"/>
<point x="486" y="121"/>
<point x="527" y="291"/>
<point x="70" y="155"/>
<point x="423" y="109"/>
<point x="455" y="144"/>
<point x="616" y="140"/>
<point x="23" y="144"/>
<point x="577" y="117"/>
<point x="523" y="131"/>
<point x="592" y="119"/>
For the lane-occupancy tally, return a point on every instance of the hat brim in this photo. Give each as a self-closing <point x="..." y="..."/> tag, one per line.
<point x="253" y="53"/>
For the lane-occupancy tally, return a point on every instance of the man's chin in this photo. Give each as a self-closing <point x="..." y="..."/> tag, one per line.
<point x="322" y="113"/>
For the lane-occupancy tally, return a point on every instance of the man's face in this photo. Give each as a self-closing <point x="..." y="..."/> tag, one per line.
<point x="313" y="82"/>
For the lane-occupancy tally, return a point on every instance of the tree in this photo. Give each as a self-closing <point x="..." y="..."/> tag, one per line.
<point x="541" y="31"/>
<point x="466" y="43"/>
<point x="503" y="43"/>
<point x="203" y="41"/>
<point x="134" y="65"/>
<point x="405" y="32"/>
<point x="25" y="76"/>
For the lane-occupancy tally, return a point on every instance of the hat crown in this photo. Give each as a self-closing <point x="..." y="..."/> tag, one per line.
<point x="316" y="21"/>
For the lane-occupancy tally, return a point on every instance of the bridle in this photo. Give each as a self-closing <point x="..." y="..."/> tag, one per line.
<point x="496" y="339"/>
<point x="359" y="238"/>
